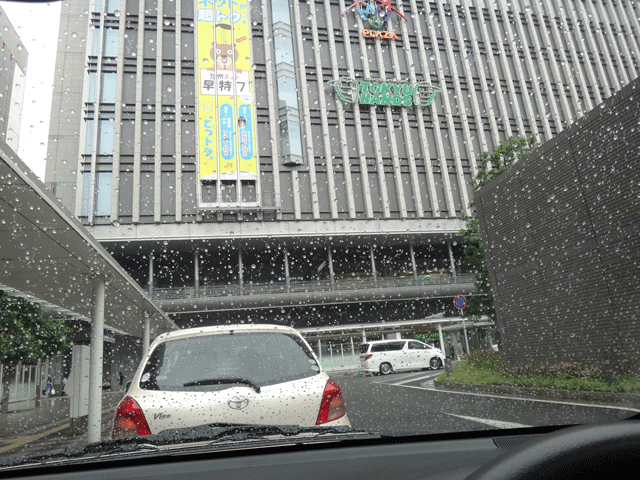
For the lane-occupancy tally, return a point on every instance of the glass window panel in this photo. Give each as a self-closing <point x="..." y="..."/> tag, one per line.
<point x="98" y="6"/>
<point x="96" y="42"/>
<point x="295" y="140"/>
<point x="89" y="138"/>
<point x="280" y="11"/>
<point x="108" y="88"/>
<point x="111" y="43"/>
<point x="106" y="137"/>
<point x="92" y="87"/>
<point x="86" y="184"/>
<point x="113" y="5"/>
<point x="103" y="194"/>
<point x="287" y="92"/>
<point x="284" y="49"/>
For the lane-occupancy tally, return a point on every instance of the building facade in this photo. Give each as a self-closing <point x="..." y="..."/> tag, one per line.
<point x="308" y="162"/>
<point x="13" y="69"/>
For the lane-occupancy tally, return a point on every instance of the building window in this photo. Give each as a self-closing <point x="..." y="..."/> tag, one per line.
<point x="106" y="137"/>
<point x="111" y="43"/>
<point x="103" y="194"/>
<point x="108" y="88"/>
<point x="86" y="188"/>
<point x="95" y="46"/>
<point x="280" y="11"/>
<point x="88" y="149"/>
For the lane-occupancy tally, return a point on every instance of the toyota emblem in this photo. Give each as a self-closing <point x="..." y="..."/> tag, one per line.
<point x="238" y="402"/>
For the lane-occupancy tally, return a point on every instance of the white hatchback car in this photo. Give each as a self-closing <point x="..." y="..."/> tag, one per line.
<point x="386" y="356"/>
<point x="232" y="374"/>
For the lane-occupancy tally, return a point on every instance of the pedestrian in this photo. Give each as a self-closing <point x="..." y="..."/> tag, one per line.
<point x="460" y="349"/>
<point x="64" y="384"/>
<point x="121" y="379"/>
<point x="49" y="387"/>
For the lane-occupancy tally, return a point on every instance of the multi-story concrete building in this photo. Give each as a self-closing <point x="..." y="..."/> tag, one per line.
<point x="308" y="162"/>
<point x="13" y="69"/>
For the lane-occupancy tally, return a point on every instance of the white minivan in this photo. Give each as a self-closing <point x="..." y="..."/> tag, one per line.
<point x="386" y="356"/>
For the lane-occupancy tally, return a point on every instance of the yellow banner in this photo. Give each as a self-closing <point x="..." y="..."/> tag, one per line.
<point x="225" y="101"/>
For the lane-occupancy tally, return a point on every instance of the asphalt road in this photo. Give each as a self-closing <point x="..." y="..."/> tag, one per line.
<point x="409" y="404"/>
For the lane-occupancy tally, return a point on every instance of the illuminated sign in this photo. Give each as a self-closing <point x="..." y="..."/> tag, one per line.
<point x="383" y="34"/>
<point x="375" y="12"/>
<point x="377" y="91"/>
<point x="226" y="131"/>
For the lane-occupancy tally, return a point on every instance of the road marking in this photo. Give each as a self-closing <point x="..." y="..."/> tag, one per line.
<point x="613" y="407"/>
<point x="20" y="441"/>
<point x="421" y="376"/>
<point x="493" y="423"/>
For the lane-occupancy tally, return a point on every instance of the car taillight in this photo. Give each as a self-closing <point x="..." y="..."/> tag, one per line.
<point x="129" y="420"/>
<point x="367" y="356"/>
<point x="332" y="406"/>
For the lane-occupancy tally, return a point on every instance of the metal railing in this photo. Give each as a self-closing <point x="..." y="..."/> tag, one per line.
<point x="210" y="291"/>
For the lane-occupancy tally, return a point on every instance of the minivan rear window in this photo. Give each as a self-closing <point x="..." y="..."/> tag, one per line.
<point x="364" y="348"/>
<point x="263" y="358"/>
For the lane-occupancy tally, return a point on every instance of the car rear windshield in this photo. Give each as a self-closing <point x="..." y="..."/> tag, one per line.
<point x="263" y="358"/>
<point x="364" y="348"/>
<point x="387" y="347"/>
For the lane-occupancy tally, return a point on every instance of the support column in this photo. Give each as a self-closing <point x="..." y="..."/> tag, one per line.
<point x="453" y="264"/>
<point x="332" y="277"/>
<point x="287" y="279"/>
<point x="414" y="269"/>
<point x="146" y="335"/>
<point x="441" y="339"/>
<point x="196" y="272"/>
<point x="320" y="350"/>
<point x="78" y="388"/>
<point x="151" y="275"/>
<point x="95" y="365"/>
<point x="240" y="277"/>
<point x="374" y="274"/>
<point x="353" y="350"/>
<point x="364" y="337"/>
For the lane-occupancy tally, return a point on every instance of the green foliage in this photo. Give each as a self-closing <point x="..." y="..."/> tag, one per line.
<point x="491" y="165"/>
<point x="489" y="368"/>
<point x="25" y="335"/>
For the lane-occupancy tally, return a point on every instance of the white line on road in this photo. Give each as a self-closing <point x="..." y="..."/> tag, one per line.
<point x="493" y="423"/>
<point x="413" y="379"/>
<point x="614" y="407"/>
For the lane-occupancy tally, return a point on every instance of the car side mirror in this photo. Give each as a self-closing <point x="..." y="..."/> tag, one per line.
<point x="127" y="385"/>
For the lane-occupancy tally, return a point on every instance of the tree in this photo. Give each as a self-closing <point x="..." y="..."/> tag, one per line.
<point x="491" y="165"/>
<point x="26" y="336"/>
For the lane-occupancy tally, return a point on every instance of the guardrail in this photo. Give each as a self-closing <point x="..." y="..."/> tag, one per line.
<point x="210" y="291"/>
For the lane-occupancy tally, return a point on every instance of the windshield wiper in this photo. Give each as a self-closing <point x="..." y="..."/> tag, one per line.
<point x="222" y="381"/>
<point x="213" y="437"/>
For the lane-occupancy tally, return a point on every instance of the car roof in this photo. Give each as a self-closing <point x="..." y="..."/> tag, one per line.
<point x="390" y="341"/>
<point x="222" y="329"/>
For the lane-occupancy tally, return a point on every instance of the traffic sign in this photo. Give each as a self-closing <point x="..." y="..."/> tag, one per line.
<point x="460" y="302"/>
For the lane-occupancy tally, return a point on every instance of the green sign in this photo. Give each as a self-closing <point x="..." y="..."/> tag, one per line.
<point x="376" y="91"/>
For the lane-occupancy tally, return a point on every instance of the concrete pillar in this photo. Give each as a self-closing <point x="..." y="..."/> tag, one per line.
<point x="196" y="272"/>
<point x="146" y="335"/>
<point x="453" y="264"/>
<point x="320" y="350"/>
<point x="150" y="274"/>
<point x="364" y="337"/>
<point x="240" y="276"/>
<point x="374" y="274"/>
<point x="287" y="278"/>
<point x="414" y="269"/>
<point x="332" y="277"/>
<point x="441" y="339"/>
<point x="78" y="388"/>
<point x="95" y="368"/>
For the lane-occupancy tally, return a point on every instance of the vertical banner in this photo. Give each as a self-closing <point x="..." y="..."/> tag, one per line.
<point x="225" y="91"/>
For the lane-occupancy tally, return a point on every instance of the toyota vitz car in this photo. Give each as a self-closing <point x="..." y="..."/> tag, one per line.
<point x="386" y="356"/>
<point x="237" y="374"/>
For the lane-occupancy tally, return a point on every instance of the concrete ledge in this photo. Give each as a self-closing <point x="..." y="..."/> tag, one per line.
<point x="627" y="400"/>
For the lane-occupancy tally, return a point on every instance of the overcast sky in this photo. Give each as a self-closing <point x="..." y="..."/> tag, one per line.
<point x="37" y="25"/>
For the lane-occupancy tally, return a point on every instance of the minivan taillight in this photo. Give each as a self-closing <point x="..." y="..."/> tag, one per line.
<point x="129" y="420"/>
<point x="332" y="406"/>
<point x="367" y="356"/>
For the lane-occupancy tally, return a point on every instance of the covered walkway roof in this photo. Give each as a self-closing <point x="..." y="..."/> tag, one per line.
<point x="47" y="256"/>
